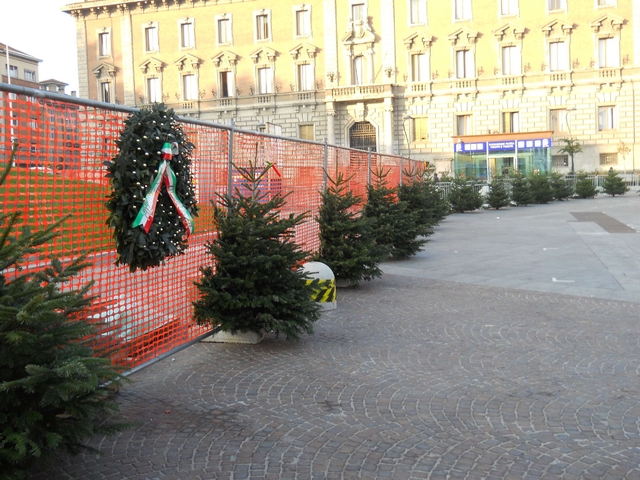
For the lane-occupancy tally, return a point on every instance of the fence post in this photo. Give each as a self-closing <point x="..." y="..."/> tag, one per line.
<point x="369" y="166"/>
<point x="230" y="165"/>
<point x="401" y="164"/>
<point x="325" y="164"/>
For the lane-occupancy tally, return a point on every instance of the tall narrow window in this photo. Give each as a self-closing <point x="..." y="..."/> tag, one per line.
<point x="224" y="30"/>
<point x="557" y="4"/>
<point x="558" y="120"/>
<point x="187" y="34"/>
<point x="104" y="44"/>
<point x="307" y="132"/>
<point x="151" y="38"/>
<point x="420" y="129"/>
<point x="608" y="53"/>
<point x="30" y="75"/>
<point x="606" y="118"/>
<point x="305" y="77"/>
<point x="464" y="64"/>
<point x="303" y="23"/>
<point x="511" y="60"/>
<point x="226" y="84"/>
<point x="463" y="124"/>
<point x="462" y="9"/>
<point x="358" y="12"/>
<point x="358" y="70"/>
<point x="417" y="12"/>
<point x="13" y="71"/>
<point x="105" y="92"/>
<point x="265" y="80"/>
<point x="262" y="27"/>
<point x="510" y="122"/>
<point x="154" y="90"/>
<point x="508" y="7"/>
<point x="558" y="57"/>
<point x="419" y="67"/>
<point x="189" y="87"/>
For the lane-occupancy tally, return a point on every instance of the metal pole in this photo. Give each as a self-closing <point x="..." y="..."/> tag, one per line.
<point x="325" y="164"/>
<point x="230" y="165"/>
<point x="369" y="166"/>
<point x="6" y="51"/>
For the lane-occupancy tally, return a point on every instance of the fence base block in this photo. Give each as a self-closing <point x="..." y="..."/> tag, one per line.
<point x="251" y="338"/>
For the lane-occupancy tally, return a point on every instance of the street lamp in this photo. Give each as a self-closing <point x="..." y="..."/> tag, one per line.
<point x="569" y="110"/>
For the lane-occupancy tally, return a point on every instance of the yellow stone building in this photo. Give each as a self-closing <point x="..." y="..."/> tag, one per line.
<point x="472" y="85"/>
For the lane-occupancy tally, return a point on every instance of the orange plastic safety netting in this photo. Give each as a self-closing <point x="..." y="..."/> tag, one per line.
<point x="58" y="171"/>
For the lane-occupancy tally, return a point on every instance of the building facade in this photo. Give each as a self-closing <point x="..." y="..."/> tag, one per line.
<point x="472" y="85"/>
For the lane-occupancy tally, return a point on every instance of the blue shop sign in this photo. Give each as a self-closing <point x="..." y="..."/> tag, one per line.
<point x="471" y="147"/>
<point x="504" y="145"/>
<point x="536" y="143"/>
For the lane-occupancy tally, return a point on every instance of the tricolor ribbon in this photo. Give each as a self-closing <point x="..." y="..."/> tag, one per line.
<point x="275" y="169"/>
<point x="168" y="178"/>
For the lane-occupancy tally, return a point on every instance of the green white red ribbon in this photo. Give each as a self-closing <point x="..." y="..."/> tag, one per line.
<point x="166" y="177"/>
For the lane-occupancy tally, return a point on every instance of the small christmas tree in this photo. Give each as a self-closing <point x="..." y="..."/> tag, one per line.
<point x="256" y="284"/>
<point x="463" y="195"/>
<point x="562" y="189"/>
<point x="540" y="187"/>
<point x="614" y="185"/>
<point x="53" y="391"/>
<point x="498" y="196"/>
<point x="584" y="186"/>
<point x="424" y="199"/>
<point x="397" y="226"/>
<point x="347" y="241"/>
<point x="520" y="189"/>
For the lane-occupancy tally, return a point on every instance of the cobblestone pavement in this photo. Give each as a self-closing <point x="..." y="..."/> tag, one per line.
<point x="409" y="378"/>
<point x="436" y="370"/>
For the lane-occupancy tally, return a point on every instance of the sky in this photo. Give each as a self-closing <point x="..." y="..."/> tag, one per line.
<point x="41" y="29"/>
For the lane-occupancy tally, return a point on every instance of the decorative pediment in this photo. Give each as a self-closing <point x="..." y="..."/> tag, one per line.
<point x="188" y="62"/>
<point x="509" y="31"/>
<point x="557" y="27"/>
<point x="463" y="36"/>
<point x="152" y="65"/>
<point x="607" y="22"/>
<point x="304" y="50"/>
<point x="358" y="32"/>
<point x="225" y="59"/>
<point x="105" y="70"/>
<point x="418" y="42"/>
<point x="264" y="55"/>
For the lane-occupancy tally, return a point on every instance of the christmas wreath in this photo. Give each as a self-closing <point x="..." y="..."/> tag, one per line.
<point x="152" y="201"/>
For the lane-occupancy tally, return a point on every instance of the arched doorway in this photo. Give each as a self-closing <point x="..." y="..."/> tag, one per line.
<point x="362" y="135"/>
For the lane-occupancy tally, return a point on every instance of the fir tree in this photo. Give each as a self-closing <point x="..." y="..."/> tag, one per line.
<point x="256" y="284"/>
<point x="562" y="189"/>
<point x="424" y="199"/>
<point x="540" y="187"/>
<point x="347" y="241"/>
<point x="53" y="391"/>
<point x="520" y="189"/>
<point x="397" y="226"/>
<point x="584" y="186"/>
<point x="614" y="185"/>
<point x="463" y="195"/>
<point x="498" y="196"/>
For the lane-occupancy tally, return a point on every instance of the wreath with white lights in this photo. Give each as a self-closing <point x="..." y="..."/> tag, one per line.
<point x="152" y="201"/>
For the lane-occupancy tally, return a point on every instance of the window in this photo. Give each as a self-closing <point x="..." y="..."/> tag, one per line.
<point x="557" y="4"/>
<point x="358" y="12"/>
<point x="417" y="12"/>
<point x="463" y="124"/>
<point x="608" y="159"/>
<point x="510" y="122"/>
<point x="464" y="64"/>
<point x="154" y="90"/>
<point x="104" y="44"/>
<point x="29" y="75"/>
<point x="226" y="84"/>
<point x="13" y="71"/>
<point x="508" y="7"/>
<point x="462" y="9"/>
<point x="151" y="39"/>
<point x="420" y="129"/>
<point x="608" y="52"/>
<point x="559" y="161"/>
<point x="606" y="118"/>
<point x="189" y="87"/>
<point x="358" y="70"/>
<point x="558" y="120"/>
<point x="419" y="67"/>
<point x="262" y="27"/>
<point x="511" y="60"/>
<point x="265" y="80"/>
<point x="105" y="92"/>
<point x="224" y="31"/>
<point x="187" y="34"/>
<point x="307" y="132"/>
<point x="558" y="57"/>
<point x="303" y="23"/>
<point x="606" y="3"/>
<point x="305" y="77"/>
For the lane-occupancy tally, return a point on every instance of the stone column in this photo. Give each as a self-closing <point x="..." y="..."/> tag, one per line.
<point x="128" y="75"/>
<point x="83" y="63"/>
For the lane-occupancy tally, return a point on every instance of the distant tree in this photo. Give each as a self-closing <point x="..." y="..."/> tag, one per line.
<point x="463" y="195"/>
<point x="571" y="147"/>
<point x="614" y="185"/>
<point x="520" y="189"/>
<point x="562" y="189"/>
<point x="540" y="186"/>
<point x="584" y="187"/>
<point x="499" y="195"/>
